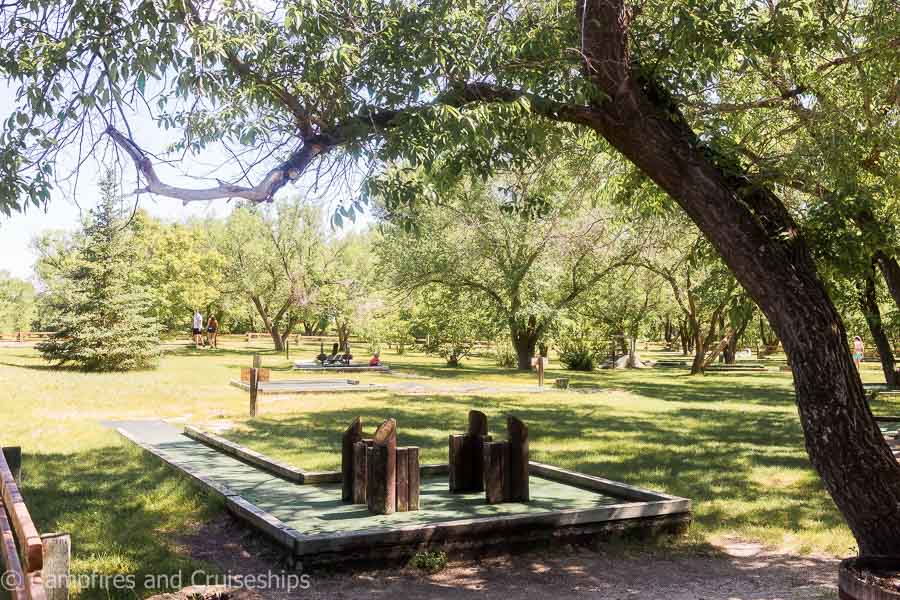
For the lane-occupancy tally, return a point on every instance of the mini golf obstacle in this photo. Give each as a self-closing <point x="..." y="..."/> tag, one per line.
<point x="308" y="386"/>
<point x="318" y="516"/>
<point x="352" y="367"/>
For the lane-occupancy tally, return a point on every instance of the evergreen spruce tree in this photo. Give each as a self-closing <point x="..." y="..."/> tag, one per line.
<point x="101" y="317"/>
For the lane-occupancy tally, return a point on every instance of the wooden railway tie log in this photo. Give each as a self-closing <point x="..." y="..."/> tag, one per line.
<point x="412" y="458"/>
<point x="465" y="458"/>
<point x="506" y="465"/>
<point x="381" y="466"/>
<point x="517" y="432"/>
<point x="402" y="479"/>
<point x="360" y="471"/>
<point x="13" y="455"/>
<point x="10" y="555"/>
<point x="29" y="541"/>
<point x="352" y="435"/>
<point x="57" y="556"/>
<point x="496" y="472"/>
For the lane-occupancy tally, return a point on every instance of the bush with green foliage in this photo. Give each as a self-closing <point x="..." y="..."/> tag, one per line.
<point x="505" y="354"/>
<point x="430" y="562"/>
<point x="102" y="319"/>
<point x="577" y="349"/>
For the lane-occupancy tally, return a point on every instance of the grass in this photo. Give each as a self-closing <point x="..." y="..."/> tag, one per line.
<point x="732" y="443"/>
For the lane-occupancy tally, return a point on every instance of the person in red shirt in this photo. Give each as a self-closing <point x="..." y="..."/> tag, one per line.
<point x="375" y="360"/>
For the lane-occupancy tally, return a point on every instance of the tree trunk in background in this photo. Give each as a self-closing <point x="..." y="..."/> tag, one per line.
<point x="524" y="341"/>
<point x="343" y="331"/>
<point x="270" y="325"/>
<point x="730" y="350"/>
<point x="890" y="270"/>
<point x="868" y="303"/>
<point x="762" y="245"/>
<point x="683" y="336"/>
<point x="668" y="333"/>
<point x="699" y="355"/>
<point x="277" y="339"/>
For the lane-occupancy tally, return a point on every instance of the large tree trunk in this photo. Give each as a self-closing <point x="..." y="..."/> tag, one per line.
<point x="868" y="303"/>
<point x="524" y="341"/>
<point x="756" y="236"/>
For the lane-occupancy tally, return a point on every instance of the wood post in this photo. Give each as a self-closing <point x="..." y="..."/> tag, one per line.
<point x="381" y="467"/>
<point x="478" y="424"/>
<point x="257" y="360"/>
<point x="496" y="480"/>
<point x="352" y="435"/>
<point x="412" y="458"/>
<point x="402" y="479"/>
<point x="57" y="556"/>
<point x="459" y="476"/>
<point x="360" y="471"/>
<point x="287" y="349"/>
<point x="506" y="465"/>
<point x="540" y="371"/>
<point x="518" y="459"/>
<point x="465" y="458"/>
<point x="254" y="389"/>
<point x="13" y="455"/>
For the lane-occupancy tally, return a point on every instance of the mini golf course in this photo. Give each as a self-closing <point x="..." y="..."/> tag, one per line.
<point x="310" y="521"/>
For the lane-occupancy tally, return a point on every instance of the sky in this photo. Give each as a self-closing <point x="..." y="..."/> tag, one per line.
<point x="66" y="206"/>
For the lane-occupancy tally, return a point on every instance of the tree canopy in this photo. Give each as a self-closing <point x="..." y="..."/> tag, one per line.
<point x="306" y="88"/>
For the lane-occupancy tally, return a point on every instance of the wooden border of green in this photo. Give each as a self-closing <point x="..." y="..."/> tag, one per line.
<point x="279" y="469"/>
<point x="26" y="533"/>
<point x="10" y="555"/>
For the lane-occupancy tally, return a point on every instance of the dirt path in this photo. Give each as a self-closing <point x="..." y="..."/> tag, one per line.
<point x="740" y="571"/>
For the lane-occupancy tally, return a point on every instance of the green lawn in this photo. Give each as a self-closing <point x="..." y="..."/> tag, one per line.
<point x="731" y="443"/>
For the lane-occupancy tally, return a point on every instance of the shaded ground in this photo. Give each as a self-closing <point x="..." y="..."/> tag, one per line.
<point x="733" y="571"/>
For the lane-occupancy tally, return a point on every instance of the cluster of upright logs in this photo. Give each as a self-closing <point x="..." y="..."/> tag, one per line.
<point x="499" y="469"/>
<point x="376" y="472"/>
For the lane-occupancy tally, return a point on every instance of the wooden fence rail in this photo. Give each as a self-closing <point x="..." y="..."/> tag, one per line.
<point x="25" y="336"/>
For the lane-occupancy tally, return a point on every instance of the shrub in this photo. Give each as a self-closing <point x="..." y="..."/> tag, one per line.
<point x="577" y="349"/>
<point x="505" y="355"/>
<point x="578" y="358"/>
<point x="430" y="562"/>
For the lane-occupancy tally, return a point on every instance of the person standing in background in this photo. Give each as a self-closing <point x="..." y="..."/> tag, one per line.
<point x="198" y="328"/>
<point x="859" y="351"/>
<point x="212" y="331"/>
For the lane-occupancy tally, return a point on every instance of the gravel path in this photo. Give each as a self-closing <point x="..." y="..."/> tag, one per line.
<point x="737" y="571"/>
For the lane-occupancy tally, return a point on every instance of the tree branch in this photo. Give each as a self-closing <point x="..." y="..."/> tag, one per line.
<point x="369" y="123"/>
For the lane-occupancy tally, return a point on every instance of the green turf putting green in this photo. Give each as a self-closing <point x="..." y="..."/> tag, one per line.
<point x="317" y="508"/>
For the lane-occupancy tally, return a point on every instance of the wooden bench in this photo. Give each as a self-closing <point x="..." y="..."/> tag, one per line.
<point x="37" y="566"/>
